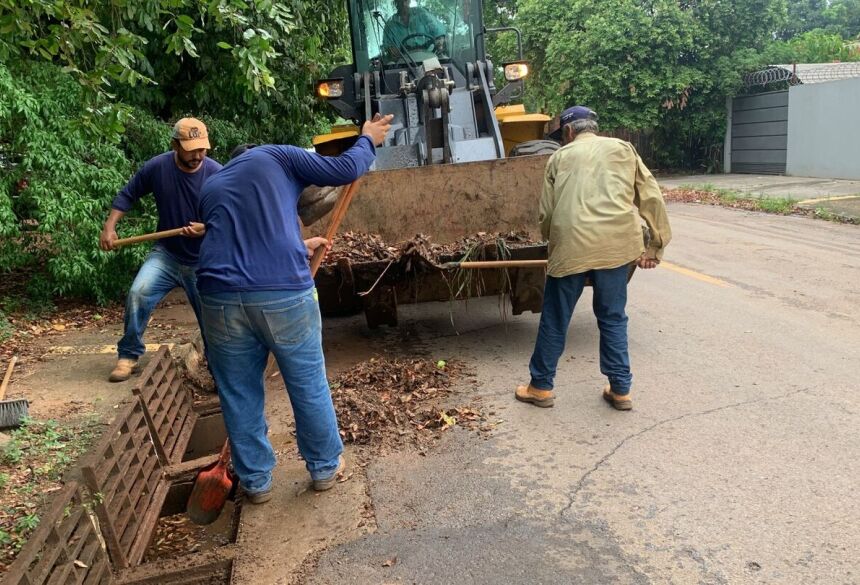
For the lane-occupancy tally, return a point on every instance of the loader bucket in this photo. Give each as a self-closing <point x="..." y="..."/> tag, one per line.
<point x="445" y="203"/>
<point x="449" y="202"/>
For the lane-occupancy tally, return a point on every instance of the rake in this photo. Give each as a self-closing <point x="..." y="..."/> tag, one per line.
<point x="12" y="412"/>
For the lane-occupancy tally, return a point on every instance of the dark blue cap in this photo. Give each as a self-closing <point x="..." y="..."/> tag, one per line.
<point x="572" y="114"/>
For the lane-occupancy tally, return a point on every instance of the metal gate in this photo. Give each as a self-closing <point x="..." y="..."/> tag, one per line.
<point x="759" y="133"/>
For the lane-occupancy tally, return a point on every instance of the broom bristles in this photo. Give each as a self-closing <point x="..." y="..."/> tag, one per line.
<point x="13" y="412"/>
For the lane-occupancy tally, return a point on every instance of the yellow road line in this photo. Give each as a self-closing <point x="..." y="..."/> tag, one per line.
<point x="694" y="274"/>
<point x="826" y="199"/>
<point x="97" y="349"/>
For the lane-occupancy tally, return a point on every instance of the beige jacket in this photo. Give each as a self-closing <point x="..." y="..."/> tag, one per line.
<point x="593" y="188"/>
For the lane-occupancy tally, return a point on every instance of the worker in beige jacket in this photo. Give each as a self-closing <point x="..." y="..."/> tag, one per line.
<point x="595" y="190"/>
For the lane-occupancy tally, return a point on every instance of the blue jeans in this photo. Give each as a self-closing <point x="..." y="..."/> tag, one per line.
<point x="241" y="329"/>
<point x="559" y="299"/>
<point x="158" y="275"/>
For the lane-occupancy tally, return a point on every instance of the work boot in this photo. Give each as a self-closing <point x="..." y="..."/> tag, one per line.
<point x="322" y="485"/>
<point x="123" y="370"/>
<point x="618" y="401"/>
<point x="259" y="497"/>
<point x="541" y="398"/>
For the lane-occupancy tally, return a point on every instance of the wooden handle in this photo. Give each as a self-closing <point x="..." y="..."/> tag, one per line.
<point x="7" y="377"/>
<point x="148" y="237"/>
<point x="503" y="264"/>
<point x="337" y="216"/>
<point x="224" y="458"/>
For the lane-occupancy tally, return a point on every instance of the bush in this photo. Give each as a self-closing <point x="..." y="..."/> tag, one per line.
<point x="64" y="154"/>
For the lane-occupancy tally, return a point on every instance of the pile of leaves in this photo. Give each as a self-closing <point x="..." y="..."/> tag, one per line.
<point x="32" y="463"/>
<point x="359" y="247"/>
<point x="386" y="402"/>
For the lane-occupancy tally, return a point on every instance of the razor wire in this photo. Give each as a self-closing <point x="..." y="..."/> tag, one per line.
<point x="797" y="75"/>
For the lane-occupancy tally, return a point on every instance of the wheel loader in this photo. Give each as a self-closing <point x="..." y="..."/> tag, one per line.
<point x="461" y="158"/>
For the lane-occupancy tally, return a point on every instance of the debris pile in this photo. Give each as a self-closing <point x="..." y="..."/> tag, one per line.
<point x="361" y="247"/>
<point x="177" y="535"/>
<point x="684" y="195"/>
<point x="385" y="402"/>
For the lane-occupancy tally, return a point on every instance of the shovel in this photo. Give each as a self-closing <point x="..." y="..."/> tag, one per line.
<point x="211" y="490"/>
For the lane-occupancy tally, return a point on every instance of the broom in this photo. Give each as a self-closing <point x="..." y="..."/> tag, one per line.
<point x="11" y="411"/>
<point x="213" y="485"/>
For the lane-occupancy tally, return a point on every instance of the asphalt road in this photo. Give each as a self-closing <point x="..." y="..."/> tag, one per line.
<point x="738" y="464"/>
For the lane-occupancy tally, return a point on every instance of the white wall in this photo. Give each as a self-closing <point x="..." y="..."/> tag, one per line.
<point x="824" y="130"/>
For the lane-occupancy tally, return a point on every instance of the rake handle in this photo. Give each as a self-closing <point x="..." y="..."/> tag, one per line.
<point x="337" y="216"/>
<point x="502" y="264"/>
<point x="7" y="377"/>
<point x="148" y="237"/>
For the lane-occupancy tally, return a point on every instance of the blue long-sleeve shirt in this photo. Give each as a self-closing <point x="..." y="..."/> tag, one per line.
<point x="253" y="240"/>
<point x="177" y="195"/>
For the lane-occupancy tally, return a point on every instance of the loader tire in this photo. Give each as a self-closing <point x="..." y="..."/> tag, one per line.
<point x="530" y="147"/>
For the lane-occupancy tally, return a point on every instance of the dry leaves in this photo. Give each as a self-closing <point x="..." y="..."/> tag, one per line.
<point x="177" y="535"/>
<point x="386" y="402"/>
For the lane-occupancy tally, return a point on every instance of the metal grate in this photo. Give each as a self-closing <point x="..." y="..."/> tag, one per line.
<point x="124" y="474"/>
<point x="168" y="406"/>
<point x="66" y="548"/>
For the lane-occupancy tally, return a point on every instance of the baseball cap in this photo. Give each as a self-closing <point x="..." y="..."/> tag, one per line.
<point x="569" y="115"/>
<point x="191" y="134"/>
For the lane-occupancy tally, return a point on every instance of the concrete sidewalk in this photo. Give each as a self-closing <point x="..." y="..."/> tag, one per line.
<point x="838" y="196"/>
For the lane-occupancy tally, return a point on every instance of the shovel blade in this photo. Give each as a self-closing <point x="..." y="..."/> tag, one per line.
<point x="209" y="495"/>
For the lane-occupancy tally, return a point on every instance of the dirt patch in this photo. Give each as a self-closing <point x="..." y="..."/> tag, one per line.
<point x="32" y="464"/>
<point x="386" y="403"/>
<point x="199" y="380"/>
<point x="22" y="330"/>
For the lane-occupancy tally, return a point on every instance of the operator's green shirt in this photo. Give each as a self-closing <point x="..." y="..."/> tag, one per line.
<point x="594" y="192"/>
<point x="420" y="22"/>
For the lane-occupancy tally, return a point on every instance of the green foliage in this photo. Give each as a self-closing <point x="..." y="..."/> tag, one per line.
<point x="63" y="170"/>
<point x="663" y="65"/>
<point x="779" y="205"/>
<point x="32" y="463"/>
<point x="839" y="17"/>
<point x="815" y="46"/>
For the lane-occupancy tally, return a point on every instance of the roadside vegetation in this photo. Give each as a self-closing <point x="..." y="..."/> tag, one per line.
<point x="709" y="195"/>
<point x="32" y="464"/>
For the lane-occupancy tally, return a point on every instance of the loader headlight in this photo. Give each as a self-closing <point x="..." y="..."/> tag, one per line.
<point x="329" y="88"/>
<point x="516" y="71"/>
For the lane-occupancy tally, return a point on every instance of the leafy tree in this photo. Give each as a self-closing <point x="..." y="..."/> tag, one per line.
<point x="815" y="46"/>
<point x="842" y="17"/>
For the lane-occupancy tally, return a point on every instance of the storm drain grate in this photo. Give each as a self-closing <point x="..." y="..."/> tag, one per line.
<point x="96" y="532"/>
<point x="66" y="548"/>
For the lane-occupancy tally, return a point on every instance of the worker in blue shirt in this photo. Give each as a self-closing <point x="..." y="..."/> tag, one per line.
<point x="258" y="296"/>
<point x="174" y="178"/>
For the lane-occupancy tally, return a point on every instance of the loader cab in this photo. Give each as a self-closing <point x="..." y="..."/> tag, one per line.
<point x="424" y="61"/>
<point x="393" y="34"/>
